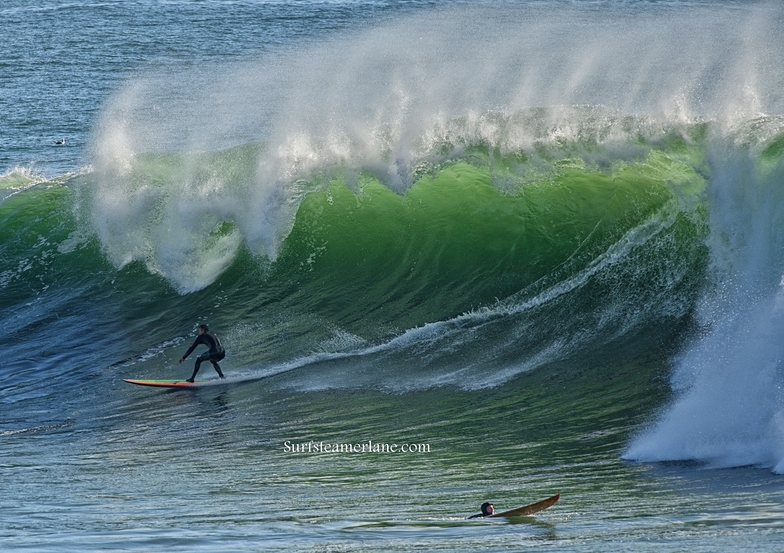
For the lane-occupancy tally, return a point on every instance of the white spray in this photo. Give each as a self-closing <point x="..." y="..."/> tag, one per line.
<point x="729" y="406"/>
<point x="383" y="99"/>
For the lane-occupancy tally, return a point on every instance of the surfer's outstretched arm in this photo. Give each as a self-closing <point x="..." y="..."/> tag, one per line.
<point x="196" y="342"/>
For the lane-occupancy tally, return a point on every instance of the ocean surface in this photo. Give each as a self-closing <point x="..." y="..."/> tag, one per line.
<point x="457" y="252"/>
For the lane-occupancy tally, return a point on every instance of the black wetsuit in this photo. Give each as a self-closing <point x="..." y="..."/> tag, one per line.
<point x="213" y="355"/>
<point x="487" y="510"/>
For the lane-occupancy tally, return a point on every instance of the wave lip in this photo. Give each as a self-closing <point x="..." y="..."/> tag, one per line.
<point x="385" y="101"/>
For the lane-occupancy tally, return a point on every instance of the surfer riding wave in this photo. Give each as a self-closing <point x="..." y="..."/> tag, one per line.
<point x="213" y="355"/>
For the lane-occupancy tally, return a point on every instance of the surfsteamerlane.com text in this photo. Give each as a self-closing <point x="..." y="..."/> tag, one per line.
<point x="370" y="446"/>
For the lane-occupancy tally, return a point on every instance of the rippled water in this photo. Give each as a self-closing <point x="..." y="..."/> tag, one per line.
<point x="534" y="240"/>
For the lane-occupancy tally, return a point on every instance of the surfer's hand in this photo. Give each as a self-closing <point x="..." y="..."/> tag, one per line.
<point x="181" y="360"/>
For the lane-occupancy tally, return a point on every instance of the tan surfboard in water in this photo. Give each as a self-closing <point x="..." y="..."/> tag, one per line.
<point x="528" y="509"/>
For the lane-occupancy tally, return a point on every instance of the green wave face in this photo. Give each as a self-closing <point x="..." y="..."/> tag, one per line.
<point x="455" y="243"/>
<point x="490" y="263"/>
<point x="37" y="231"/>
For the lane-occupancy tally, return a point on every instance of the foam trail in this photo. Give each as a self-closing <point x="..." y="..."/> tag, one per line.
<point x="729" y="409"/>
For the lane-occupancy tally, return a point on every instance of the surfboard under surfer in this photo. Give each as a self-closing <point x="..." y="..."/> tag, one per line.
<point x="213" y="355"/>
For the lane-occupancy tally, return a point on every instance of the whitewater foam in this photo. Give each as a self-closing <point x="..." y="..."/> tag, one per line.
<point x="730" y="383"/>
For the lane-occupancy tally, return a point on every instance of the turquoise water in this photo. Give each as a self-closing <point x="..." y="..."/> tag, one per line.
<point x="540" y="244"/>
